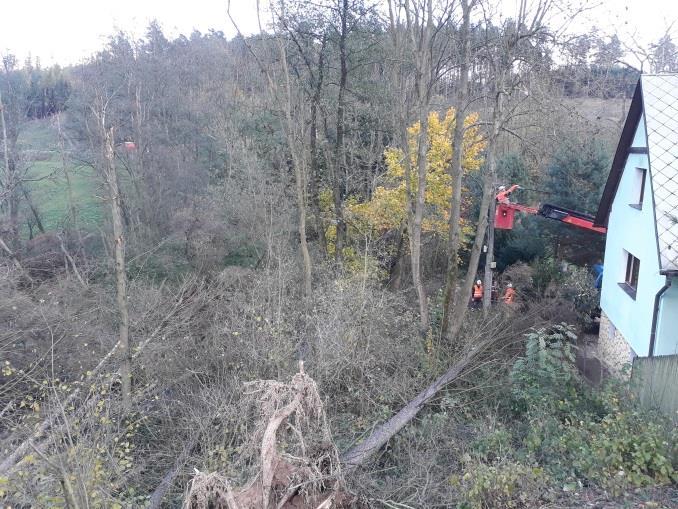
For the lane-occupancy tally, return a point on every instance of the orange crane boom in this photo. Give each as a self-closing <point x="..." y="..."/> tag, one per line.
<point x="506" y="213"/>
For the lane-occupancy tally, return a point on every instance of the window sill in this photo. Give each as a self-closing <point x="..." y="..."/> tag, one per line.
<point x="637" y="206"/>
<point x="630" y="290"/>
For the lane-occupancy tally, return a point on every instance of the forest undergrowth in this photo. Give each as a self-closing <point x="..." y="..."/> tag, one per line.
<point x="519" y="427"/>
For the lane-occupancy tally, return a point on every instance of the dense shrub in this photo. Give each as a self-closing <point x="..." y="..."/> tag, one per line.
<point x="508" y="485"/>
<point x="600" y="437"/>
<point x="546" y="374"/>
<point x="578" y="288"/>
<point x="494" y="445"/>
<point x="545" y="273"/>
<point x="625" y="449"/>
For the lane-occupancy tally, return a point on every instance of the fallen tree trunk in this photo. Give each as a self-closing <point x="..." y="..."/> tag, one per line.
<point x="70" y="260"/>
<point x="358" y="454"/>
<point x="155" y="502"/>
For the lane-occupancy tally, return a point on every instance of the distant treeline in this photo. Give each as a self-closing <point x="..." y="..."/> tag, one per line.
<point x="597" y="81"/>
<point x="39" y="92"/>
<point x="45" y="91"/>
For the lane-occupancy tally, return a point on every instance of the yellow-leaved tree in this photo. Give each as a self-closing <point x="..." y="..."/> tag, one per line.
<point x="387" y="208"/>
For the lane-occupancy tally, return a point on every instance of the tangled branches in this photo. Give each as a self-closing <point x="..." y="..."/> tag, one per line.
<point x="305" y="473"/>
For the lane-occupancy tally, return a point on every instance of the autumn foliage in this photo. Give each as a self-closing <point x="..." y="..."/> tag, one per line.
<point x="386" y="210"/>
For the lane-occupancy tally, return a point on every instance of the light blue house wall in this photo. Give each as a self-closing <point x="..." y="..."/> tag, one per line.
<point x="631" y="230"/>
<point x="666" y="342"/>
<point x="640" y="138"/>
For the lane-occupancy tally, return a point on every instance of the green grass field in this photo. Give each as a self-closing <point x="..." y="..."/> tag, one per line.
<point x="47" y="185"/>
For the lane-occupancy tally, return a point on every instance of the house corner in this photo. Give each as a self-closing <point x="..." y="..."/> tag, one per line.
<point x="613" y="349"/>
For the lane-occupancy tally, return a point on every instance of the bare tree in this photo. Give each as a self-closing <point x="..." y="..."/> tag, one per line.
<point x="508" y="55"/>
<point x="456" y="168"/>
<point x="340" y="148"/>
<point x="5" y="150"/>
<point x="298" y="160"/>
<point x="294" y="146"/>
<point x="11" y="176"/>
<point x="109" y="174"/>
<point x="413" y="39"/>
<point x="317" y="86"/>
<point x="310" y="43"/>
<point x="67" y="175"/>
<point x="111" y="177"/>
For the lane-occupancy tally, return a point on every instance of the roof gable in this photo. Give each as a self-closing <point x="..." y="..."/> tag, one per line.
<point x="619" y="161"/>
<point x="656" y="96"/>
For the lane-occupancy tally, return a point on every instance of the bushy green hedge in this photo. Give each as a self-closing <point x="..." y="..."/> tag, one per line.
<point x="507" y="485"/>
<point x="560" y="433"/>
<point x="598" y="436"/>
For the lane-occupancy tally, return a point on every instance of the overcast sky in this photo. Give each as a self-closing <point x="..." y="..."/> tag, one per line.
<point x="67" y="31"/>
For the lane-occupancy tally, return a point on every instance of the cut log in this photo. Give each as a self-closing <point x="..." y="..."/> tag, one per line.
<point x="158" y="495"/>
<point x="358" y="454"/>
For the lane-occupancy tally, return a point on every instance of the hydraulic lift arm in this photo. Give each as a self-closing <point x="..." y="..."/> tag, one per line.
<point x="506" y="212"/>
<point x="570" y="217"/>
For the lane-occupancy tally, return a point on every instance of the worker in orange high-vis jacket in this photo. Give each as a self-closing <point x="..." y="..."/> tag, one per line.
<point x="503" y="194"/>
<point x="509" y="295"/>
<point x="477" y="294"/>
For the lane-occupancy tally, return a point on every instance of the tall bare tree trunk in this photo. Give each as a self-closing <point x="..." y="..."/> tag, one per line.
<point x="11" y="187"/>
<point x="489" y="256"/>
<point x="340" y="148"/>
<point x="111" y="177"/>
<point x="143" y="214"/>
<point x="297" y="155"/>
<point x="459" y="310"/>
<point x="69" y="187"/>
<point x="450" y="298"/>
<point x="420" y="30"/>
<point x="5" y="148"/>
<point x="299" y="176"/>
<point x="417" y="218"/>
<point x="315" y="162"/>
<point x="13" y="205"/>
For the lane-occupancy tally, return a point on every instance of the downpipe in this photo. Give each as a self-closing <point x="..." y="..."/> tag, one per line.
<point x="655" y="314"/>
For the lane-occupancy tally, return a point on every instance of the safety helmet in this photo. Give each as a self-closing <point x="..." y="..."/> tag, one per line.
<point x="502" y="188"/>
<point x="479" y="282"/>
<point x="510" y="285"/>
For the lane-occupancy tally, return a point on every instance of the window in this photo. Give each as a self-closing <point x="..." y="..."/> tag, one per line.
<point x="630" y="284"/>
<point x="639" y="187"/>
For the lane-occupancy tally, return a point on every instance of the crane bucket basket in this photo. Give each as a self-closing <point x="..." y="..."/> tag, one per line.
<point x="503" y="219"/>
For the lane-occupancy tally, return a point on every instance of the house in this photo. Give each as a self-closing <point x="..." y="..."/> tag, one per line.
<point x="639" y="206"/>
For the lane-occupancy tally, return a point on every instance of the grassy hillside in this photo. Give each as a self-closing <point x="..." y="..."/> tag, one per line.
<point x="47" y="185"/>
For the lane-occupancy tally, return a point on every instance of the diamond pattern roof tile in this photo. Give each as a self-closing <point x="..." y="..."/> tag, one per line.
<point x="660" y="101"/>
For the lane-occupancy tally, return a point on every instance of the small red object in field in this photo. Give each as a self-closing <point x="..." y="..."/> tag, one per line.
<point x="130" y="145"/>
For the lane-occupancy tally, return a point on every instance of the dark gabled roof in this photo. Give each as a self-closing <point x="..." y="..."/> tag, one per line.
<point x="619" y="161"/>
<point x="657" y="96"/>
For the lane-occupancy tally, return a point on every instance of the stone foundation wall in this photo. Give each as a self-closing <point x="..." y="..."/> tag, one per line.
<point x="612" y="349"/>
